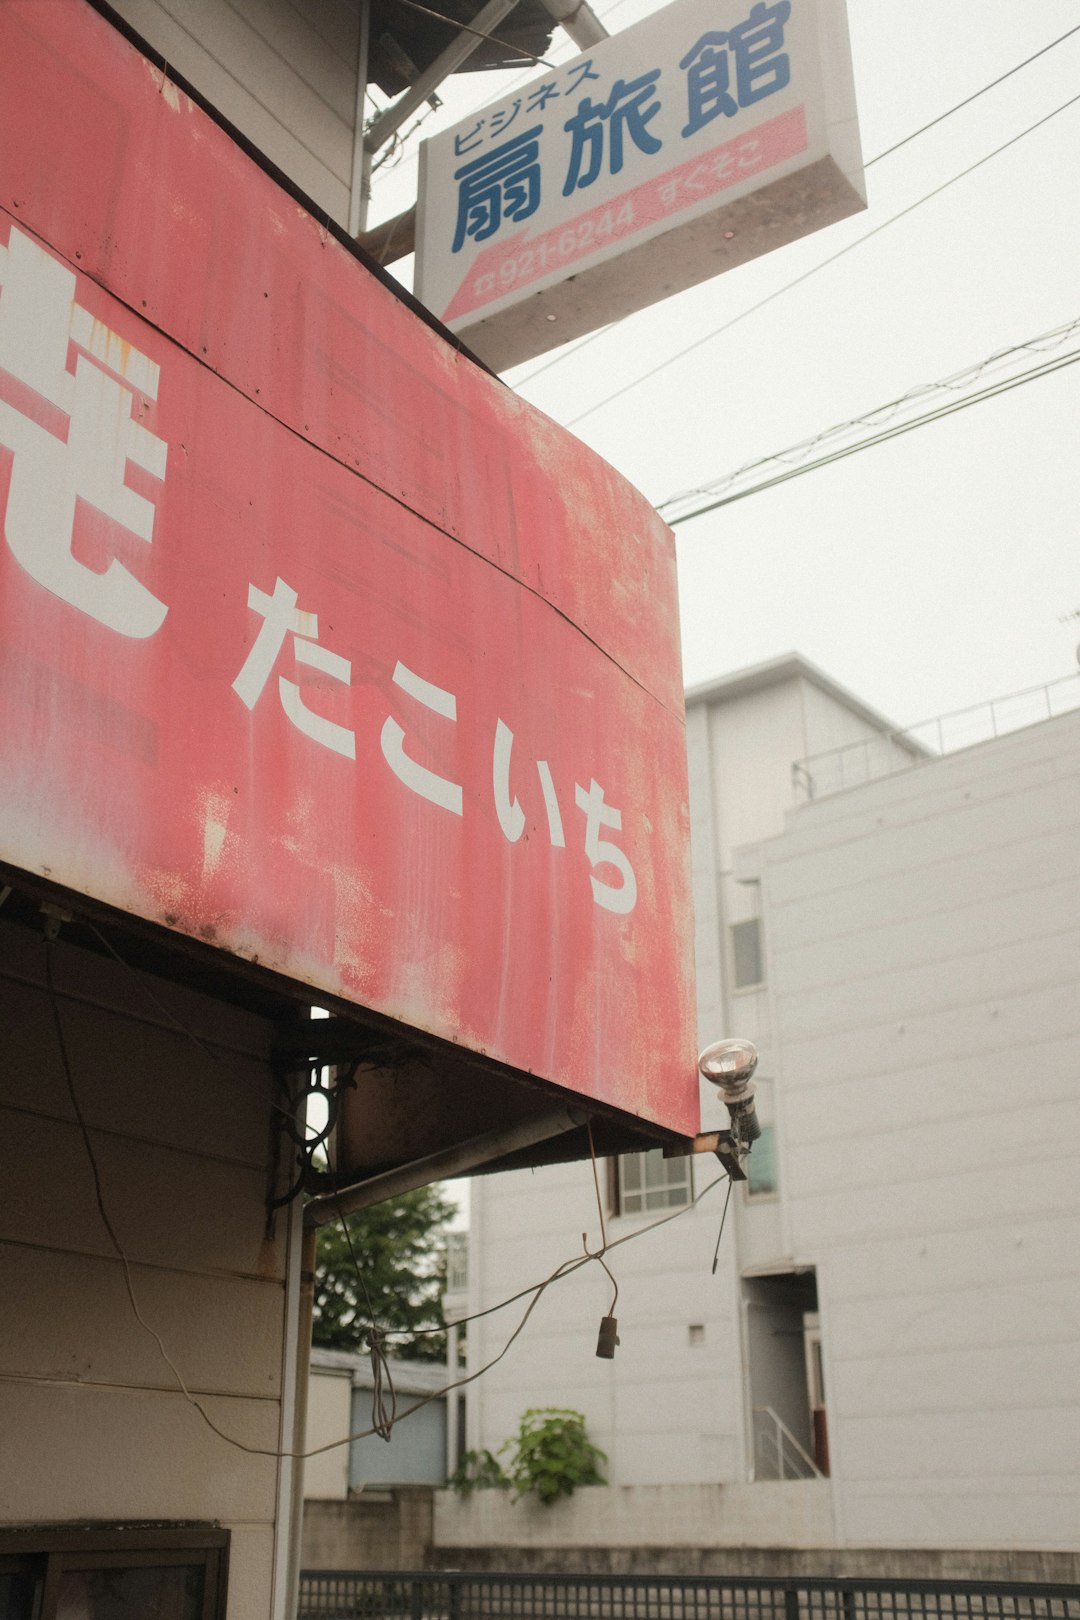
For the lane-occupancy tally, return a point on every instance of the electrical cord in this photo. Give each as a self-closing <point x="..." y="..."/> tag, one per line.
<point x="1044" y="343"/>
<point x="466" y="28"/>
<point x="869" y="164"/>
<point x="383" y="1424"/>
<point x="821" y="265"/>
<point x="383" y="1416"/>
<point x="991" y="392"/>
<point x="99" y="1199"/>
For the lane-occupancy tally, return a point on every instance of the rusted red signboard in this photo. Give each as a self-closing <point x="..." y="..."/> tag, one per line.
<point x="316" y="643"/>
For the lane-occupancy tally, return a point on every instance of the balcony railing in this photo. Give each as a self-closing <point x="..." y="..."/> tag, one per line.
<point x="885" y="752"/>
<point x="777" y="1453"/>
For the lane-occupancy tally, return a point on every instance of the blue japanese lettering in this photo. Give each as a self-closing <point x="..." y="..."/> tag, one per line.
<point x="503" y="183"/>
<point x="761" y="66"/>
<point x="623" y="113"/>
<point x="584" y="71"/>
<point x="541" y="96"/>
<point x="469" y="141"/>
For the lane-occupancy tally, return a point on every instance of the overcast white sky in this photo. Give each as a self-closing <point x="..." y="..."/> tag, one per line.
<point x="932" y="572"/>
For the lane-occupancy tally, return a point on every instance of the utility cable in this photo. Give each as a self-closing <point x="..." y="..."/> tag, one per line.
<point x="537" y="1290"/>
<point x="795" y="282"/>
<point x="99" y="1199"/>
<point x="467" y="28"/>
<point x="383" y="1415"/>
<point x="993" y="84"/>
<point x="880" y="438"/>
<point x="1045" y="342"/>
<point x="821" y="265"/>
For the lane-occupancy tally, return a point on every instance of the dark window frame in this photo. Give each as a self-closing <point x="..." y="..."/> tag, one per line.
<point x="637" y="1202"/>
<point x="747" y="957"/>
<point x="47" y="1552"/>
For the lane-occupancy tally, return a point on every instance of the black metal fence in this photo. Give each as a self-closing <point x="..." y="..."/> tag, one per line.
<point x="374" y="1595"/>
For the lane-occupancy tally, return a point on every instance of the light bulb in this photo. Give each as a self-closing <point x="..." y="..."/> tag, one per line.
<point x="728" y="1064"/>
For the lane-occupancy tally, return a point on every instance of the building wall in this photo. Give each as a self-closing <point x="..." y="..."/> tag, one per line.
<point x="919" y="1028"/>
<point x="924" y="947"/>
<point x="689" y="1423"/>
<point x="93" y="1424"/>
<point x="284" y="74"/>
<point x="795" y="1514"/>
<point x="389" y="1529"/>
<point x="326" y="1476"/>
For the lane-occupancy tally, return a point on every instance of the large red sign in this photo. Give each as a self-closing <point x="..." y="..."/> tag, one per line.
<point x="316" y="642"/>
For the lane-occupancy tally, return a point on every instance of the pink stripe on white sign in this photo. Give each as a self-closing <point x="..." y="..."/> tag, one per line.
<point x="517" y="261"/>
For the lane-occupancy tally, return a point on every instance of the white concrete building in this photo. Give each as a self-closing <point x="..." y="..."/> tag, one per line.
<point x="893" y="1313"/>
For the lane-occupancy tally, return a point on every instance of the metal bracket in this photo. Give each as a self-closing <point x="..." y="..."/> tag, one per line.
<point x="731" y="1153"/>
<point x="320" y="1058"/>
<point x="296" y="1088"/>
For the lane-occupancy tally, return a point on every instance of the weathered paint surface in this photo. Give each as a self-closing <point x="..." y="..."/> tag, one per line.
<point x="214" y="422"/>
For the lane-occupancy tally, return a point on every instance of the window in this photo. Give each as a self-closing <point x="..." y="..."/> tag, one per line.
<point x="746" y="955"/>
<point x="761" y="1164"/>
<point x="112" y="1574"/>
<point x="649" y="1181"/>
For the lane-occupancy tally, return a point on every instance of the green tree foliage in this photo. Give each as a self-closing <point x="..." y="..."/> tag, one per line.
<point x="399" y="1248"/>
<point x="551" y="1455"/>
<point x="478" y="1471"/>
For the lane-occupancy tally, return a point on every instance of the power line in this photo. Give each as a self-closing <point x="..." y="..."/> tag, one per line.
<point x="869" y="164"/>
<point x="814" y="269"/>
<point x="385" y="1418"/>
<point x="892" y="432"/>
<point x="993" y="84"/>
<point x="963" y="378"/>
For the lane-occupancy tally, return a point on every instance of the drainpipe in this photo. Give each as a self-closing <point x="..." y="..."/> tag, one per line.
<point x="300" y="1408"/>
<point x="290" y="1486"/>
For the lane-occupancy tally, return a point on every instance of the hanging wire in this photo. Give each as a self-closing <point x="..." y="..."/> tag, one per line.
<point x="1045" y="343"/>
<point x="383" y="1405"/>
<point x="385" y="1419"/>
<point x="723" y="1218"/>
<point x="991" y="392"/>
<point x="796" y="281"/>
<point x="467" y="28"/>
<point x="598" y="1254"/>
<point x="813" y="271"/>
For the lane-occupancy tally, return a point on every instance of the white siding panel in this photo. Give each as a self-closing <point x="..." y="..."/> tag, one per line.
<point x="203" y="1321"/>
<point x="124" y="1075"/>
<point x="304" y="128"/>
<point x="251" y="1562"/>
<point x="867" y="1272"/>
<point x="993" y="828"/>
<point x="960" y="1512"/>
<point x="980" y="1376"/>
<point x="1039" y="1312"/>
<point x="939" y="1095"/>
<point x="173" y="1209"/>
<point x="913" y="1042"/>
<point x="894" y="943"/>
<point x="919" y="891"/>
<point x="1041" y="1442"/>
<point x="84" y="1452"/>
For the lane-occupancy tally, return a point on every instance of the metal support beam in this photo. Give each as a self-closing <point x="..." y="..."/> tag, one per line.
<point x="360" y="182"/>
<point x="396" y="238"/>
<point x="453" y="1161"/>
<point x="391" y="120"/>
<point x="392" y="240"/>
<point x="580" y="22"/>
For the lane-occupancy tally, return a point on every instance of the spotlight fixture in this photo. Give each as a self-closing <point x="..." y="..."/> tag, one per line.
<point x="729" y="1066"/>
